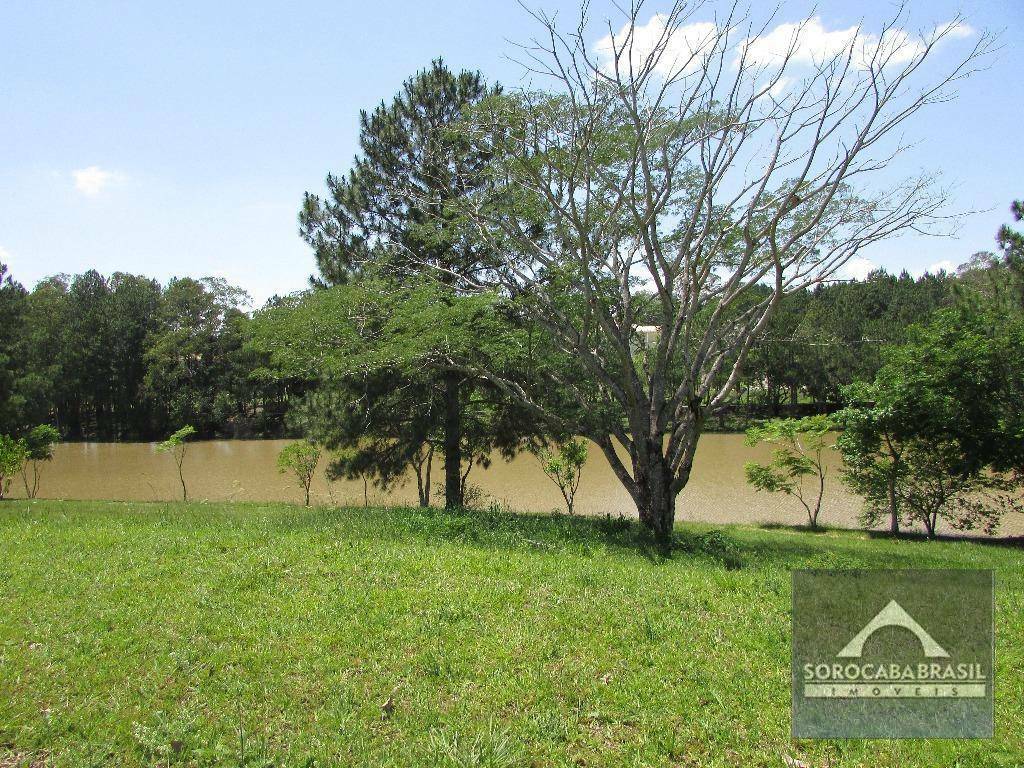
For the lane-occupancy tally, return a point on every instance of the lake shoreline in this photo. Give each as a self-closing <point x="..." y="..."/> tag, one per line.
<point x="246" y="471"/>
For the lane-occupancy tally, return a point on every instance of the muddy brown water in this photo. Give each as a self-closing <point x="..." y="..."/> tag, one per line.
<point x="245" y="470"/>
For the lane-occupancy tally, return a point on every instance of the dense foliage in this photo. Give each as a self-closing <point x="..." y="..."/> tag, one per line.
<point x="124" y="358"/>
<point x="12" y="456"/>
<point x="938" y="434"/>
<point x="819" y="341"/>
<point x="183" y="355"/>
<point x="388" y="239"/>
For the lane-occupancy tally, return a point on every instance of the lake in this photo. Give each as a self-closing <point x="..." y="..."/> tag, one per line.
<point x="245" y="470"/>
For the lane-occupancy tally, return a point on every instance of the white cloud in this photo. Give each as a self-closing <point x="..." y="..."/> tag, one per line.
<point x="92" y="180"/>
<point x="781" y="86"/>
<point x="5" y="255"/>
<point x="809" y="41"/>
<point x="685" y="49"/>
<point x="955" y="29"/>
<point x="943" y="266"/>
<point x="939" y="266"/>
<point x="858" y="268"/>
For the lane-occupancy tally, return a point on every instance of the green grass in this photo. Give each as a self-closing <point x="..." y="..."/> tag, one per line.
<point x="258" y="635"/>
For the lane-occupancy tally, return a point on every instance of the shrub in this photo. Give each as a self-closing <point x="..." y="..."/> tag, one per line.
<point x="177" y="447"/>
<point x="564" y="467"/>
<point x="300" y="458"/>
<point x="12" y="456"/>
<point x="39" y="445"/>
<point x="802" y="442"/>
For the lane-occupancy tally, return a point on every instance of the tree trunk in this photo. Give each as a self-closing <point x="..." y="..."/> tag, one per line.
<point x="656" y="503"/>
<point x="821" y="492"/>
<point x="894" y="518"/>
<point x="423" y="477"/>
<point x="74" y="421"/>
<point x="452" y="442"/>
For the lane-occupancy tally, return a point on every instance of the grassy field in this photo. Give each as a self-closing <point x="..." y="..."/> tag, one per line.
<point x="259" y="635"/>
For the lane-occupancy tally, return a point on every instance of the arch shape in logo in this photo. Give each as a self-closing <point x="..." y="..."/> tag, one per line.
<point x="893" y="615"/>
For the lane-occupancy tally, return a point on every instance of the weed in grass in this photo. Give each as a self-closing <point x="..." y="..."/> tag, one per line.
<point x="492" y="747"/>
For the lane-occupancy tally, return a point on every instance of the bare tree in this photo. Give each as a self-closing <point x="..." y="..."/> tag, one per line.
<point x="688" y="175"/>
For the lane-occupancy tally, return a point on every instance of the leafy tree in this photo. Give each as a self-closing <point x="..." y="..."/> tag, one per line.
<point x="83" y="354"/>
<point x="819" y="341"/>
<point x="300" y="458"/>
<point x="376" y="430"/>
<point x="177" y="446"/>
<point x="843" y="327"/>
<point x="44" y="387"/>
<point x="12" y="310"/>
<point x="635" y="170"/>
<point x="564" y="467"/>
<point x="1011" y="243"/>
<point x="39" y="443"/>
<point x="938" y="435"/>
<point x="187" y="360"/>
<point x="801" y="445"/>
<point x="87" y="356"/>
<point x="120" y="358"/>
<point x="134" y="311"/>
<point x="394" y="217"/>
<point x="776" y="365"/>
<point x="958" y="377"/>
<point x="379" y="406"/>
<point x="938" y="484"/>
<point x="919" y="480"/>
<point x="12" y="456"/>
<point x="996" y="280"/>
<point x="260" y="399"/>
<point x="873" y="446"/>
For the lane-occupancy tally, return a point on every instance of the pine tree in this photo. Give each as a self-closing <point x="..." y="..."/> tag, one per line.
<point x="393" y="217"/>
<point x="1011" y="243"/>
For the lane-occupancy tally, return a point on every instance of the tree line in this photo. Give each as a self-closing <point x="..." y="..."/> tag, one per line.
<point x="125" y="358"/>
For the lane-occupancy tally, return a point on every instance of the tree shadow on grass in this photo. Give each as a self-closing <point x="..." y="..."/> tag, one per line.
<point x="1014" y="542"/>
<point x="497" y="528"/>
<point x="801" y="528"/>
<point x="731" y="547"/>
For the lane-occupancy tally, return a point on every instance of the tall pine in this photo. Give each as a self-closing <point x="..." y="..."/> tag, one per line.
<point x="393" y="217"/>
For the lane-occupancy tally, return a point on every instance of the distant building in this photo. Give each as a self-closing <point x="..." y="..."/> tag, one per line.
<point x="647" y="335"/>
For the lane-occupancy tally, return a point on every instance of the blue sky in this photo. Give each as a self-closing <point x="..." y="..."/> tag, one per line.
<point x="178" y="138"/>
